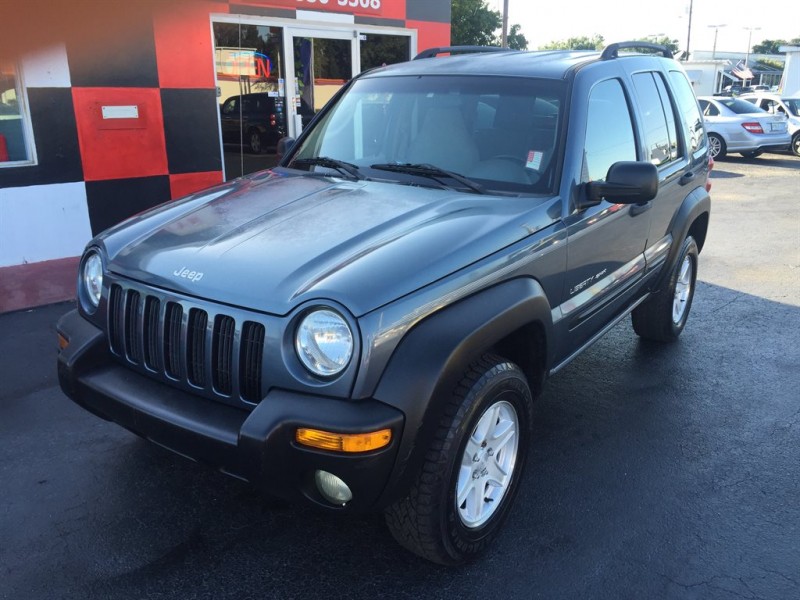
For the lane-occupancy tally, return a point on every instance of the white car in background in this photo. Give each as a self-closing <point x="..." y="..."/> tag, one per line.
<point x="735" y="125"/>
<point x="777" y="104"/>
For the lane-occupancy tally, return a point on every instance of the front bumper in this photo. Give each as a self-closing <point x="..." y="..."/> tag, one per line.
<point x="257" y="446"/>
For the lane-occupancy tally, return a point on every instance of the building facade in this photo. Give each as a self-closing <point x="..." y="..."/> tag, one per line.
<point x="102" y="125"/>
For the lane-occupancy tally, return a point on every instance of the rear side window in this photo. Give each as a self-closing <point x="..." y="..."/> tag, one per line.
<point x="609" y="131"/>
<point x="687" y="105"/>
<point x="658" y="118"/>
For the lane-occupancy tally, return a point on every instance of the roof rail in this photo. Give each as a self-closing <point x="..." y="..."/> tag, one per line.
<point x="612" y="50"/>
<point x="431" y="52"/>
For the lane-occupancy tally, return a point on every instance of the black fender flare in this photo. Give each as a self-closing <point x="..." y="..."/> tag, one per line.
<point x="431" y="359"/>
<point x="694" y="206"/>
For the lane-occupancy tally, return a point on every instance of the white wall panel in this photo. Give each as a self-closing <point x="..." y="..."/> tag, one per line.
<point x="47" y="67"/>
<point x="43" y="222"/>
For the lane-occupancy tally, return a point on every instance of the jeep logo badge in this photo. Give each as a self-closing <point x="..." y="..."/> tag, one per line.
<point x="193" y="276"/>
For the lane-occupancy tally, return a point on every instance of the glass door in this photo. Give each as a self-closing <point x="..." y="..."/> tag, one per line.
<point x="322" y="62"/>
<point x="251" y="85"/>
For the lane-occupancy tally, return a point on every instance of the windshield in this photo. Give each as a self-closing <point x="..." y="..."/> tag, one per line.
<point x="499" y="132"/>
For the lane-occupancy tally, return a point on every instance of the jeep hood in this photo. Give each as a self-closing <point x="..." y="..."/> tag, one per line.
<point x="274" y="241"/>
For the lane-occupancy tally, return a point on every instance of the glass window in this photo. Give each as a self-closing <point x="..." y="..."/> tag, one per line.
<point x="381" y="50"/>
<point x="14" y="125"/>
<point x="740" y="107"/>
<point x="656" y="130"/>
<point x="609" y="131"/>
<point x="687" y="103"/>
<point x="709" y="110"/>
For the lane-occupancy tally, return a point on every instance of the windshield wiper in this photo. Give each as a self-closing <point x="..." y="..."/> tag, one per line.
<point x="432" y="171"/>
<point x="331" y="163"/>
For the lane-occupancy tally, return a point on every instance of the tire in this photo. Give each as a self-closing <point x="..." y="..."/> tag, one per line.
<point x="255" y="142"/>
<point x="796" y="144"/>
<point x="462" y="461"/>
<point x="716" y="146"/>
<point x="663" y="317"/>
<point x="752" y="153"/>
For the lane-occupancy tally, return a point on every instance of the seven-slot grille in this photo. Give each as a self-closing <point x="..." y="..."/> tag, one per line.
<point x="187" y="346"/>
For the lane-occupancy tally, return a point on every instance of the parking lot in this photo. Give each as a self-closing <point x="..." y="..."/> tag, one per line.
<point x="656" y="471"/>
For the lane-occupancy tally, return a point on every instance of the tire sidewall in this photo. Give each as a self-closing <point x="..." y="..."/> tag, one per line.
<point x="688" y="249"/>
<point x="508" y="385"/>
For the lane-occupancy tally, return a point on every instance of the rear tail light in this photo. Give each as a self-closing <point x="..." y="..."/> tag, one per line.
<point x="753" y="127"/>
<point x="272" y="120"/>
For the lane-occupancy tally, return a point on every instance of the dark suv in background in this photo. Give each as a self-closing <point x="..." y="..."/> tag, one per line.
<point x="257" y="121"/>
<point x="366" y="326"/>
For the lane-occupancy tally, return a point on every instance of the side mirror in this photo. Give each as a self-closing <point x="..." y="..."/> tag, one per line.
<point x="284" y="146"/>
<point x="627" y="182"/>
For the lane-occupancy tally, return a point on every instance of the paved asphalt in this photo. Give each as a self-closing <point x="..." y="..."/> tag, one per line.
<point x="656" y="472"/>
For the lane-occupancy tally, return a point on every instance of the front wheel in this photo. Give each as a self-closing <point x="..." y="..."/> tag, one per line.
<point x="752" y="153"/>
<point x="663" y="317"/>
<point x="472" y="468"/>
<point x="796" y="144"/>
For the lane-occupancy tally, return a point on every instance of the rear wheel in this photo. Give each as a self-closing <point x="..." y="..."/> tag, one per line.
<point x="752" y="153"/>
<point x="472" y="468"/>
<point x="663" y="317"/>
<point x="716" y="146"/>
<point x="255" y="141"/>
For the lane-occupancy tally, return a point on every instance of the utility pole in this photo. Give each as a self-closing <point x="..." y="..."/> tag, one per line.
<point x="716" y="31"/>
<point x="505" y="24"/>
<point x="689" y="33"/>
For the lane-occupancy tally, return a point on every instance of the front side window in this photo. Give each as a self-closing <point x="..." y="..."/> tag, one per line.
<point x="609" y="131"/>
<point x="498" y="131"/>
<point x="15" y="147"/>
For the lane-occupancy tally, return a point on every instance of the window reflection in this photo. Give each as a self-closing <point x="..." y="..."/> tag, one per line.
<point x="13" y="142"/>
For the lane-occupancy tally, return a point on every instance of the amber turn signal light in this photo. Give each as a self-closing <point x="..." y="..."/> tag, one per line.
<point x="62" y="342"/>
<point x="343" y="442"/>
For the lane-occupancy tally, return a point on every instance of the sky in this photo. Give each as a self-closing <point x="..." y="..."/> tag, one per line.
<point x="621" y="20"/>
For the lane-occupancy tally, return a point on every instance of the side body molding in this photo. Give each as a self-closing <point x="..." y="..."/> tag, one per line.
<point x="432" y="358"/>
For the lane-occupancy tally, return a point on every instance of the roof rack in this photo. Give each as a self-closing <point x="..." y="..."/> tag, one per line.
<point x="612" y="50"/>
<point x="431" y="52"/>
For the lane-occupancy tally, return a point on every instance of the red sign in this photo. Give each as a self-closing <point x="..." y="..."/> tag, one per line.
<point x="360" y="7"/>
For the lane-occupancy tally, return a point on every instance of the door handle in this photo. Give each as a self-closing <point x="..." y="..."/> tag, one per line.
<point x="686" y="178"/>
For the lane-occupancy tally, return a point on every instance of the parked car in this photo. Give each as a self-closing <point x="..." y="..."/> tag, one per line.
<point x="734" y="90"/>
<point x="257" y="121"/>
<point x="366" y="326"/>
<point x="759" y="88"/>
<point x="779" y="105"/>
<point x="735" y="125"/>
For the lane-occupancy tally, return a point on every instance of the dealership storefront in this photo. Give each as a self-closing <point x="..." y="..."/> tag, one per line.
<point x="96" y="128"/>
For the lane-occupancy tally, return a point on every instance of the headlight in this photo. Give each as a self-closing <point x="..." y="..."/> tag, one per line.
<point x="92" y="277"/>
<point x="324" y="343"/>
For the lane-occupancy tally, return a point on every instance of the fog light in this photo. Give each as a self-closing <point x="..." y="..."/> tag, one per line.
<point x="333" y="489"/>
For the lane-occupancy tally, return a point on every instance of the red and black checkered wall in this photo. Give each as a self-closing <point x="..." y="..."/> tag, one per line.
<point x="162" y="62"/>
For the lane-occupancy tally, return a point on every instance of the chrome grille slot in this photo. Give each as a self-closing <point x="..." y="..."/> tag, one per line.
<point x="116" y="322"/>
<point x="133" y="345"/>
<point x="172" y="339"/>
<point x="196" y="347"/>
<point x="222" y="351"/>
<point x="252" y="353"/>
<point x="187" y="343"/>
<point x="152" y="314"/>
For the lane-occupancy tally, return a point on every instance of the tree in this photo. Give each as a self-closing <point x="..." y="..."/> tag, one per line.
<point x="475" y="24"/>
<point x="596" y="42"/>
<point x="773" y="46"/>
<point x="516" y="40"/>
<point x="671" y="44"/>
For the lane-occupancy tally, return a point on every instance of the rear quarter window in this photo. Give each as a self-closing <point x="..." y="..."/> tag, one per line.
<point x="690" y="114"/>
